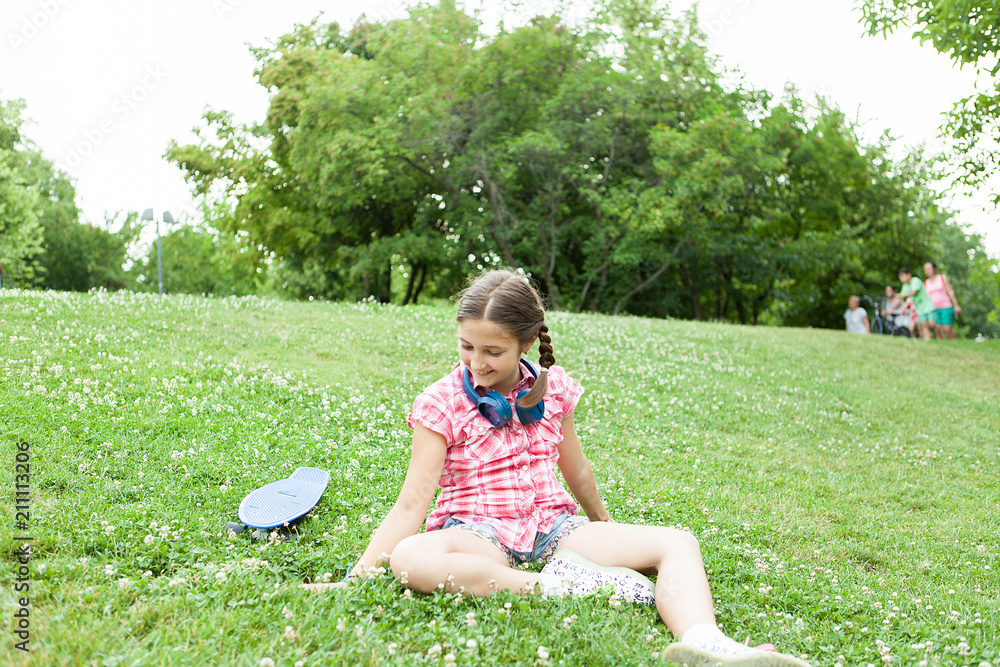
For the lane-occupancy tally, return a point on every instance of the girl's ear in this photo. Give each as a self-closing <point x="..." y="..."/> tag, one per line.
<point x="527" y="346"/>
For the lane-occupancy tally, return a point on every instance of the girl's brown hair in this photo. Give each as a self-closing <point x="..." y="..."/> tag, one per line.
<point x="509" y="299"/>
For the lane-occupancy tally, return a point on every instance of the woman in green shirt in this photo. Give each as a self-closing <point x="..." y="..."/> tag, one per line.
<point x="914" y="287"/>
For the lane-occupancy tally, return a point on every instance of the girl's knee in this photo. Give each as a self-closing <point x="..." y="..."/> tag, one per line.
<point x="673" y="539"/>
<point x="415" y="561"/>
<point x="406" y="558"/>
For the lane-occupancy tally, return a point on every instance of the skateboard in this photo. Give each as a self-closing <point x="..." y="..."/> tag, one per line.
<point x="278" y="504"/>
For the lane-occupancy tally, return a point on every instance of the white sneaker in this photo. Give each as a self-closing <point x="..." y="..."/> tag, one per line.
<point x="689" y="656"/>
<point x="583" y="577"/>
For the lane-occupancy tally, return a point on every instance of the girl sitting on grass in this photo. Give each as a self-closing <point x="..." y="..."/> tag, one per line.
<point x="484" y="435"/>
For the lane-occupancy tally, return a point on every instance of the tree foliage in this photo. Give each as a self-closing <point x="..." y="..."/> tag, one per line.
<point x="967" y="32"/>
<point x="20" y="230"/>
<point x="975" y="277"/>
<point x="42" y="241"/>
<point x="200" y="260"/>
<point x="607" y="158"/>
<point x="74" y="255"/>
<point x="81" y="256"/>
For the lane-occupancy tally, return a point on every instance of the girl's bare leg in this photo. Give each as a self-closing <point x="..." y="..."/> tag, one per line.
<point x="683" y="597"/>
<point x="458" y="559"/>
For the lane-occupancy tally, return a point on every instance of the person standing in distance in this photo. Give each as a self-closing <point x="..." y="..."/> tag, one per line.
<point x="945" y="302"/>
<point x="856" y="317"/>
<point x="914" y="287"/>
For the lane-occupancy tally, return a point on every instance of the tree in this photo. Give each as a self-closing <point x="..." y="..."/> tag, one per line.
<point x="358" y="156"/>
<point x="606" y="158"/>
<point x="975" y="277"/>
<point x="966" y="31"/>
<point x="846" y="215"/>
<point x="83" y="256"/>
<point x="75" y="256"/>
<point x="20" y="230"/>
<point x="199" y="260"/>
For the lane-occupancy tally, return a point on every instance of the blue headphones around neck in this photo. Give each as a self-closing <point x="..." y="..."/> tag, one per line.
<point x="495" y="407"/>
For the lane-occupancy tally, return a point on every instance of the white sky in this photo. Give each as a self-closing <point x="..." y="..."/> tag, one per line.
<point x="108" y="84"/>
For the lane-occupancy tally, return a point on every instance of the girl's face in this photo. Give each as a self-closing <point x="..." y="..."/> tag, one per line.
<point x="491" y="354"/>
<point x="929" y="270"/>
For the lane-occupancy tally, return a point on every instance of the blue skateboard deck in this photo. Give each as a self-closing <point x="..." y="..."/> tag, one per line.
<point x="284" y="501"/>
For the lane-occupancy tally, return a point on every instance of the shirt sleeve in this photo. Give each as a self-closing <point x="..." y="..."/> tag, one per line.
<point x="432" y="411"/>
<point x="563" y="394"/>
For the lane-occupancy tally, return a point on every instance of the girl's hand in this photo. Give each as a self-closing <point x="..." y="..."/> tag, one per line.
<point x="958" y="310"/>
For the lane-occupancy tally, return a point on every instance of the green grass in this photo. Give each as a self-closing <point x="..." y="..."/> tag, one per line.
<point x="844" y="489"/>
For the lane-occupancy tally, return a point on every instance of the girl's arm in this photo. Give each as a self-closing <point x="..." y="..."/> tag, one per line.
<point x="579" y="475"/>
<point x="951" y="293"/>
<point x="410" y="509"/>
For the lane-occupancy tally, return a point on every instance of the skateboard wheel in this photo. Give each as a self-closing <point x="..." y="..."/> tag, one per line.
<point x="233" y="527"/>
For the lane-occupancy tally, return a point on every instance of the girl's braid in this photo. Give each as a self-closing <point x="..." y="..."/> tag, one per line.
<point x="545" y="358"/>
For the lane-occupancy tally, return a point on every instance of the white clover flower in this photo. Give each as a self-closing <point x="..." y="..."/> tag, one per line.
<point x="543" y="653"/>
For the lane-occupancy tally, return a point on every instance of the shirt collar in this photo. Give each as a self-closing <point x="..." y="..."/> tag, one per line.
<point x="527" y="381"/>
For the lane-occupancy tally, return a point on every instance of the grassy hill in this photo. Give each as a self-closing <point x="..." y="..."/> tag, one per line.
<point x="844" y="489"/>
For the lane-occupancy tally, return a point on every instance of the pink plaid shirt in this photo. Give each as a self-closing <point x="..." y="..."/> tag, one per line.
<point x="504" y="477"/>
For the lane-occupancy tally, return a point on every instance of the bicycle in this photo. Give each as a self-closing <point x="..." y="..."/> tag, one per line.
<point x="884" y="325"/>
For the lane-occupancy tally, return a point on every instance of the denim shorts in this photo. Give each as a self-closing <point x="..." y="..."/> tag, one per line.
<point x="545" y="543"/>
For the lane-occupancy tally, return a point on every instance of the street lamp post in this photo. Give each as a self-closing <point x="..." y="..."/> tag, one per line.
<point x="168" y="219"/>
